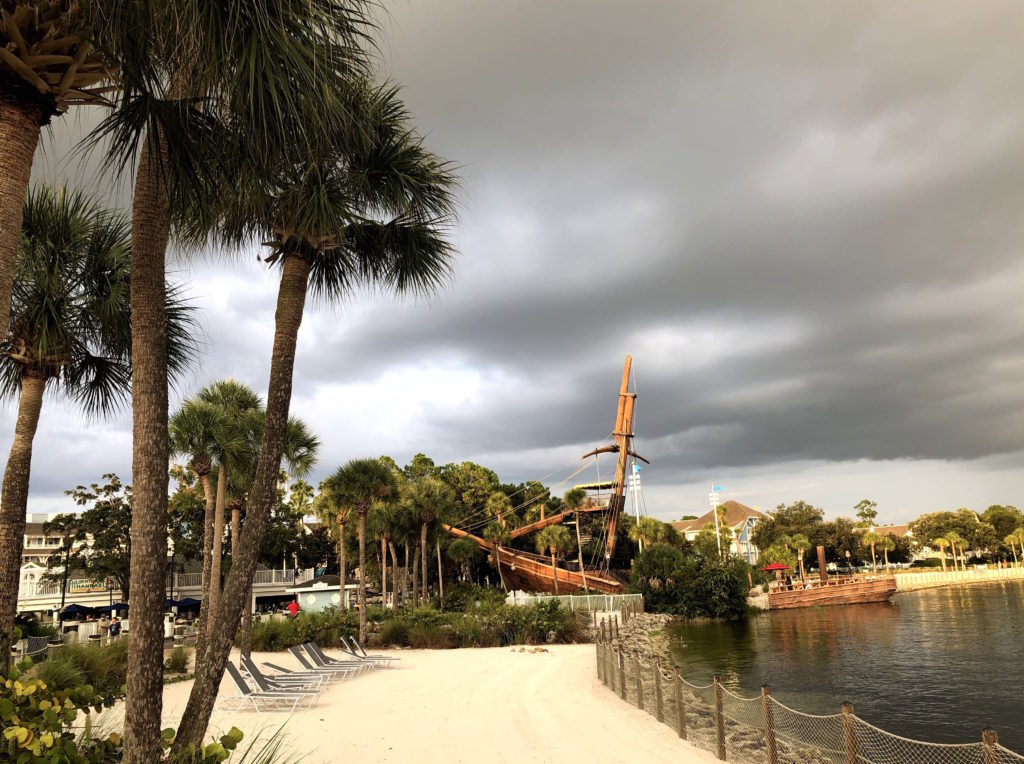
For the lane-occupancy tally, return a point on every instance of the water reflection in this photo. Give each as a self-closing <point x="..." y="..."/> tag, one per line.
<point x="937" y="665"/>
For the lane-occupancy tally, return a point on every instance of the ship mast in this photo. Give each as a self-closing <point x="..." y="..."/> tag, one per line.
<point x="623" y="435"/>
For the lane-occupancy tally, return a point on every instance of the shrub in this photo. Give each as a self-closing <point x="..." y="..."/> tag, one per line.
<point x="394" y="631"/>
<point x="690" y="587"/>
<point x="177" y="661"/>
<point x="58" y="674"/>
<point x="429" y="637"/>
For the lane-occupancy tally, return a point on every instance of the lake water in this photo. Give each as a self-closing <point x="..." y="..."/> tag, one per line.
<point x="936" y="665"/>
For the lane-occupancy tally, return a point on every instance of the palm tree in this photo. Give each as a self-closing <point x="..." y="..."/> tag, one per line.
<point x="375" y="212"/>
<point x="499" y="535"/>
<point x="239" y="411"/>
<point x="647" y="530"/>
<point x="871" y="539"/>
<point x="1016" y="537"/>
<point x="554" y="539"/>
<point x="463" y="552"/>
<point x="800" y="543"/>
<point x="427" y="499"/>
<point x="941" y="544"/>
<point x="362" y="483"/>
<point x="69" y="319"/>
<point x="332" y="510"/>
<point x="956" y="540"/>
<point x="48" y="63"/>
<point x="271" y="72"/>
<point x="886" y="544"/>
<point x="194" y="431"/>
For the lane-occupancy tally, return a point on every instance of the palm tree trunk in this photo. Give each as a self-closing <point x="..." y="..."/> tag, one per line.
<point x="885" y="553"/>
<point x="415" y="574"/>
<point x="423" y="553"/>
<point x="217" y="553"/>
<point x="13" y="502"/>
<point x="942" y="557"/>
<point x="874" y="564"/>
<point x="362" y="577"/>
<point x="554" y="571"/>
<point x="383" y="572"/>
<point x="440" y="574"/>
<point x="291" y="300"/>
<point x="245" y="643"/>
<point x="341" y="560"/>
<point x="19" y="136"/>
<point x="150" y="454"/>
<point x="204" y="605"/>
<point x="1014" y="550"/>
<point x="399" y="587"/>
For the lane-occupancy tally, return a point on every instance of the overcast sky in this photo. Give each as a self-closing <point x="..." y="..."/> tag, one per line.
<point x="802" y="219"/>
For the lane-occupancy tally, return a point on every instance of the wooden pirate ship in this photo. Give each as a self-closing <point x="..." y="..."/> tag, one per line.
<point x="534" y="572"/>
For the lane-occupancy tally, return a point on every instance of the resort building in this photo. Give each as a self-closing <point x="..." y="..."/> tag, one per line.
<point x="740" y="520"/>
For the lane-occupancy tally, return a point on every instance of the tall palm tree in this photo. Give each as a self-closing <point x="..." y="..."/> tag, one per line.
<point x="272" y="73"/>
<point x="554" y="539"/>
<point x="498" y="535"/>
<point x="332" y="510"/>
<point x="956" y="540"/>
<point x="195" y="431"/>
<point x="942" y="544"/>
<point x="70" y="333"/>
<point x="362" y="482"/>
<point x="48" y="63"/>
<point x="871" y="539"/>
<point x="1017" y="536"/>
<point x="427" y="499"/>
<point x="240" y="411"/>
<point x="375" y="212"/>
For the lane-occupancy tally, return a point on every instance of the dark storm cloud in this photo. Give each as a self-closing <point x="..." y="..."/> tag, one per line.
<point x="802" y="219"/>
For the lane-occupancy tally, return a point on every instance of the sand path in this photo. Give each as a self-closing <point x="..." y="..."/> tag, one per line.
<point x="481" y="705"/>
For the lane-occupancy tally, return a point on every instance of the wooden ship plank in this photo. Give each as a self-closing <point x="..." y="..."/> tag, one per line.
<point x="834" y="592"/>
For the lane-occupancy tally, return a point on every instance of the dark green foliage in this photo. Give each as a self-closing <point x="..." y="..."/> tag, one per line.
<point x="691" y="587"/>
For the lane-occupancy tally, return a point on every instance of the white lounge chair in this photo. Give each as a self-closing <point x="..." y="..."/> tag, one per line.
<point x="304" y="662"/>
<point x="310" y="682"/>
<point x="276" y="700"/>
<point x="357" y="650"/>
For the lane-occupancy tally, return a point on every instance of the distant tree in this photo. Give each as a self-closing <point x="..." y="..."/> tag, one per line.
<point x="886" y="544"/>
<point x="705" y="543"/>
<point x="787" y="520"/>
<point x="801" y="544"/>
<point x="64" y="559"/>
<point x="107" y="521"/>
<point x="867" y="511"/>
<point x="871" y="539"/>
<point x="650" y="530"/>
<point x="464" y="552"/>
<point x="687" y="517"/>
<point x="361" y="482"/>
<point x="1015" y="539"/>
<point x="956" y="540"/>
<point x="838" y="536"/>
<point x="942" y="544"/>
<point x="776" y="553"/>
<point x="1003" y="519"/>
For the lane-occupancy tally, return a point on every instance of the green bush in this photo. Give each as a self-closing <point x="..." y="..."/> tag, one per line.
<point x="394" y="631"/>
<point x="177" y="661"/>
<point x="430" y="637"/>
<point x="58" y="674"/>
<point x="691" y="587"/>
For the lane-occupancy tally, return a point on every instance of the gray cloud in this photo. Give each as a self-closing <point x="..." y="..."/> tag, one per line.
<point x="801" y="219"/>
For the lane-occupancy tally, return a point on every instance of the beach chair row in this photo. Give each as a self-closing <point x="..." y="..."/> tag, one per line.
<point x="290" y="689"/>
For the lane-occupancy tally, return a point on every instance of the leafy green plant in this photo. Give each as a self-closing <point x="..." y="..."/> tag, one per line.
<point x="177" y="661"/>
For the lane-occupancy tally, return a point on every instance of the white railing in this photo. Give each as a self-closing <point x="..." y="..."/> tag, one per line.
<point x="188" y="580"/>
<point x="274" y="577"/>
<point x="602" y="602"/>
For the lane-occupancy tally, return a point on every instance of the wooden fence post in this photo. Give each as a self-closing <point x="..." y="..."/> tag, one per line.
<point x="609" y="668"/>
<point x="600" y="661"/>
<point x="659" y="707"/>
<point x="639" y="685"/>
<point x="680" y="706"/>
<point x="719" y="718"/>
<point x="769" y="724"/>
<point x="849" y="734"/>
<point x="990" y="741"/>
<point x="622" y="677"/>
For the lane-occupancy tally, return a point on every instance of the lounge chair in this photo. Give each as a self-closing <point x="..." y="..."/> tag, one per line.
<point x="304" y="662"/>
<point x="282" y="672"/>
<point x="298" y="682"/>
<point x="274" y="700"/>
<point x="357" y="650"/>
<point x="318" y="654"/>
<point x="319" y="660"/>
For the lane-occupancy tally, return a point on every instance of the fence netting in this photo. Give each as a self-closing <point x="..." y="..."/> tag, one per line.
<point x="761" y="730"/>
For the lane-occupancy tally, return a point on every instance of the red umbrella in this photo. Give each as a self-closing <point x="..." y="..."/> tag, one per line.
<point x="775" y="566"/>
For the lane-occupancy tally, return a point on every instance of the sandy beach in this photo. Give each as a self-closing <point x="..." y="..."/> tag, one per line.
<point x="472" y="705"/>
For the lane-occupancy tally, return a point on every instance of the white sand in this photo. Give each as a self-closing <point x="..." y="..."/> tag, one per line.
<point x="495" y="705"/>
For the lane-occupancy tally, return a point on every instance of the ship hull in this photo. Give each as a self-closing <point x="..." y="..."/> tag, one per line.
<point x="529" y="572"/>
<point x="835" y="592"/>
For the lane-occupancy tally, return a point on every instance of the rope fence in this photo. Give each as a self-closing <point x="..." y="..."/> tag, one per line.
<point x="760" y="729"/>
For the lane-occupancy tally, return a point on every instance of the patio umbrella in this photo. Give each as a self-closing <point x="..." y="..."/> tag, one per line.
<point x="189" y="603"/>
<point x="117" y="606"/>
<point x="169" y="603"/>
<point x="76" y="609"/>
<point x="775" y="566"/>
